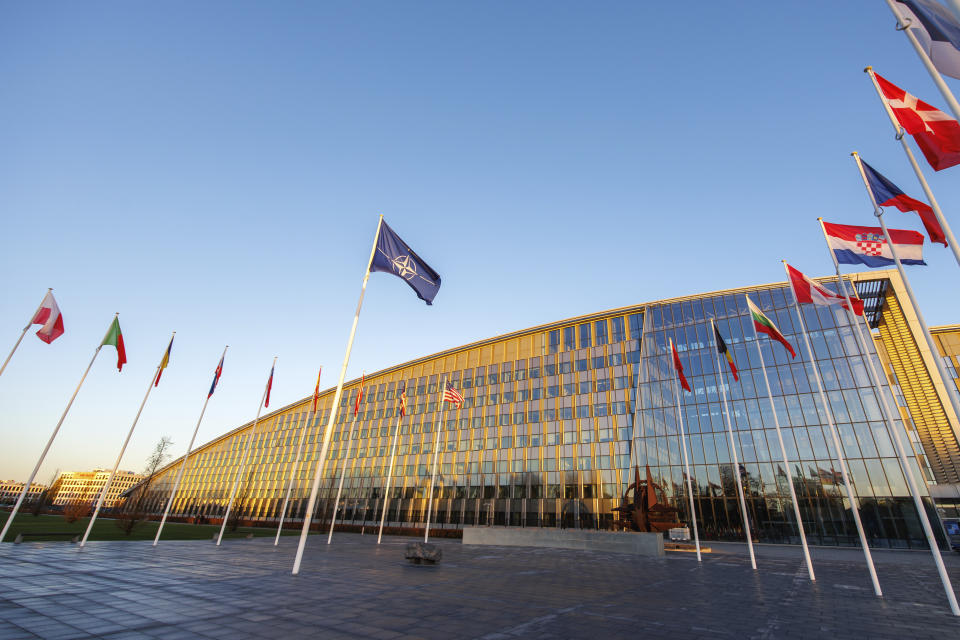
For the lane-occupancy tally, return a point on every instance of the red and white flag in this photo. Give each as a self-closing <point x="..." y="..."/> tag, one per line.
<point x="936" y="133"/>
<point x="49" y="316"/>
<point x="807" y="291"/>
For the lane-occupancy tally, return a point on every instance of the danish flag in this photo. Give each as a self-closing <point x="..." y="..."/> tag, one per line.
<point x="936" y="133"/>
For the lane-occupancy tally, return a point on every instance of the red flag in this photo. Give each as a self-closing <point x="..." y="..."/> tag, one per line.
<point x="356" y="406"/>
<point x="316" y="391"/>
<point x="403" y="400"/>
<point x="936" y="133"/>
<point x="679" y="367"/>
<point x="807" y="291"/>
<point x="269" y="386"/>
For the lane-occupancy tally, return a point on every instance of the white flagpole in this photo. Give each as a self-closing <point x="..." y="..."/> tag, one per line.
<point x="237" y="479"/>
<point x="343" y="471"/>
<point x="925" y="59"/>
<point x="328" y="432"/>
<point x="43" y="454"/>
<point x="786" y="463"/>
<point x="116" y="464"/>
<point x="386" y="492"/>
<point x="23" y="333"/>
<point x="293" y="472"/>
<point x="891" y="426"/>
<point x="937" y="212"/>
<point x="686" y="463"/>
<point x="733" y="450"/>
<point x="441" y="411"/>
<point x="841" y="460"/>
<point x="949" y="387"/>
<point x="183" y="464"/>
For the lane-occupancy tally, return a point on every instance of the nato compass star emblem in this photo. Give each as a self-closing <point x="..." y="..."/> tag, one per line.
<point x="407" y="268"/>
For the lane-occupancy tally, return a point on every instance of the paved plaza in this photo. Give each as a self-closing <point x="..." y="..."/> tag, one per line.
<point x="355" y="589"/>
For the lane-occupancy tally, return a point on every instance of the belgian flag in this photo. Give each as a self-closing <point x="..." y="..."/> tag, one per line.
<point x="722" y="348"/>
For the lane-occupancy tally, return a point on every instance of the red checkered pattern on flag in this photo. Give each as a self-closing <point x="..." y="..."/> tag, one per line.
<point x="452" y="396"/>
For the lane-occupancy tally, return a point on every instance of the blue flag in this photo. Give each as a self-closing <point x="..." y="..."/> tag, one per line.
<point x="395" y="256"/>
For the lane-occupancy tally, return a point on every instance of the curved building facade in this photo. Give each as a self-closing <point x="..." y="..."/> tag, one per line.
<point x="556" y="417"/>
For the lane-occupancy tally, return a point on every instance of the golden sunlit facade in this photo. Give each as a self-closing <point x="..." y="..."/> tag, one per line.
<point x="557" y="416"/>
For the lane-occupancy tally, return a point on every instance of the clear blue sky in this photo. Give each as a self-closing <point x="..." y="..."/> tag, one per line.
<point x="217" y="169"/>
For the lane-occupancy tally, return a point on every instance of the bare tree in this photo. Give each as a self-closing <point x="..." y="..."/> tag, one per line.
<point x="132" y="511"/>
<point x="44" y="498"/>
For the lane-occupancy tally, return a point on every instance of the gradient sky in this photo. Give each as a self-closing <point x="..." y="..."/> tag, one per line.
<point x="217" y="169"/>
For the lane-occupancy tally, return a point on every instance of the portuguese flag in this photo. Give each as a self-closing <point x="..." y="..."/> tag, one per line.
<point x="115" y="337"/>
<point x="763" y="324"/>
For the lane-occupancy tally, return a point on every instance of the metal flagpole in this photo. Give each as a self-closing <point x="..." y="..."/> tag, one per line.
<point x="343" y="471"/>
<point x="116" y="464"/>
<point x="183" y="464"/>
<point x="441" y="411"/>
<point x="43" y="454"/>
<point x="925" y="59"/>
<point x="293" y="471"/>
<point x="686" y="463"/>
<point x="950" y="389"/>
<point x="328" y="432"/>
<point x="841" y="460"/>
<point x="786" y="463"/>
<point x="386" y="492"/>
<point x="733" y="450"/>
<point x="23" y="333"/>
<point x="237" y="479"/>
<point x="937" y="212"/>
<point x="862" y="341"/>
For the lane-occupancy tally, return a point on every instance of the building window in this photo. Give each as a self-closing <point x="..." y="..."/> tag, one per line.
<point x="585" y="336"/>
<point x="600" y="329"/>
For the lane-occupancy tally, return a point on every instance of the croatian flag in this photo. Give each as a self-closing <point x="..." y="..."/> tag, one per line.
<point x="867" y="245"/>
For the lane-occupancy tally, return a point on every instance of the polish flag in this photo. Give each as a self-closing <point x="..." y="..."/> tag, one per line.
<point x="807" y="291"/>
<point x="49" y="316"/>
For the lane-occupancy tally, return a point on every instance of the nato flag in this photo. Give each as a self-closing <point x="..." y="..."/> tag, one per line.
<point x="395" y="256"/>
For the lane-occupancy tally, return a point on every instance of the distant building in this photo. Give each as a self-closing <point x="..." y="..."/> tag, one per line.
<point x="86" y="486"/>
<point x="10" y="490"/>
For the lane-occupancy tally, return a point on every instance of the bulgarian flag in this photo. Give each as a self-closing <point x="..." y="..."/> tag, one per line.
<point x="763" y="324"/>
<point x="115" y="337"/>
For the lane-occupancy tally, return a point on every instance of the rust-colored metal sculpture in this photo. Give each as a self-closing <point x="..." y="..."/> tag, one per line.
<point x="646" y="509"/>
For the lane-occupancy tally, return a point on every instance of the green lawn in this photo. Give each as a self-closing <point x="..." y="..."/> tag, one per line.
<point x="107" y="529"/>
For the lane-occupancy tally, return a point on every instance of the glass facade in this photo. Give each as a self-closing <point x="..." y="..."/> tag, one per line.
<point x="546" y="436"/>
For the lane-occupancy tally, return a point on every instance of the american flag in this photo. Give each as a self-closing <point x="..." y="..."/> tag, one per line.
<point x="403" y="401"/>
<point x="453" y="396"/>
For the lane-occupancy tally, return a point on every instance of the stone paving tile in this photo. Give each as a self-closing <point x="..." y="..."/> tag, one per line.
<point x="355" y="589"/>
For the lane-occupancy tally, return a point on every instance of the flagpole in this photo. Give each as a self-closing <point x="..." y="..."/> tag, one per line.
<point x="116" y="464"/>
<point x="733" y="450"/>
<point x="891" y="426"/>
<point x="441" y="411"/>
<point x="786" y="463"/>
<point x="686" y="464"/>
<point x="237" y="479"/>
<point x="386" y="493"/>
<point x="950" y="388"/>
<point x="925" y="59"/>
<point x="343" y="471"/>
<point x="183" y="464"/>
<point x="328" y="432"/>
<point x="23" y="333"/>
<point x="937" y="212"/>
<point x="293" y="470"/>
<point x="43" y="454"/>
<point x="841" y="460"/>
